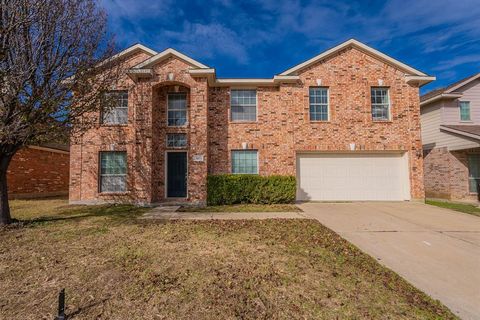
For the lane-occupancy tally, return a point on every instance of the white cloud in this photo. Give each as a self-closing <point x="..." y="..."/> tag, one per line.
<point x="209" y="40"/>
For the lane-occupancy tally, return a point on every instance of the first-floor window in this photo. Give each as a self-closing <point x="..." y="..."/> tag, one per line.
<point x="473" y="172"/>
<point x="176" y="140"/>
<point x="113" y="171"/>
<point x="245" y="161"/>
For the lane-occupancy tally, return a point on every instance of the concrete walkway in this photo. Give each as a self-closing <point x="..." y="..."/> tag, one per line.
<point x="170" y="213"/>
<point x="435" y="249"/>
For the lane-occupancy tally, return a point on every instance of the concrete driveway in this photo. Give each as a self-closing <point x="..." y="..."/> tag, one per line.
<point x="435" y="249"/>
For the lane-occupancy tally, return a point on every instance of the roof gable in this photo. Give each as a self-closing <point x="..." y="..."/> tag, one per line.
<point x="165" y="55"/>
<point x="447" y="92"/>
<point x="129" y="51"/>
<point x="356" y="44"/>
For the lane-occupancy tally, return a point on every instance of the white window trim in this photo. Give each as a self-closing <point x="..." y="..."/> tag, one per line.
<point x="186" y="110"/>
<point x="389" y="104"/>
<point x="231" y="160"/>
<point x="256" y="105"/>
<point x="100" y="175"/>
<point x="102" y="112"/>
<point x="328" y="104"/>
<point x="469" y="111"/>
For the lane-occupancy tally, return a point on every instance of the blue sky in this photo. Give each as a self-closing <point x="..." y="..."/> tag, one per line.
<point x="263" y="38"/>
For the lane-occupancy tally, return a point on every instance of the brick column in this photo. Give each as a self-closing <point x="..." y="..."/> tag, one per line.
<point x="198" y="153"/>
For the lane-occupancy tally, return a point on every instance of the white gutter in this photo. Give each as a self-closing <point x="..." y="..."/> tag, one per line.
<point x="441" y="96"/>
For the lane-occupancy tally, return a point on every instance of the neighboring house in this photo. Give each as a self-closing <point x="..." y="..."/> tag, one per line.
<point x="451" y="140"/>
<point x="39" y="171"/>
<point x="346" y="123"/>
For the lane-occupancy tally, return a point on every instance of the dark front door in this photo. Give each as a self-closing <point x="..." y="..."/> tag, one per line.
<point x="176" y="174"/>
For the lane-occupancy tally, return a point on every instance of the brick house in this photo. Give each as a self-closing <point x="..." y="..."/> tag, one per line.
<point x="346" y="123"/>
<point x="39" y="171"/>
<point x="451" y="140"/>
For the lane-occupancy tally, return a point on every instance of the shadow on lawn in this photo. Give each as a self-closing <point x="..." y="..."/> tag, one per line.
<point x="115" y="213"/>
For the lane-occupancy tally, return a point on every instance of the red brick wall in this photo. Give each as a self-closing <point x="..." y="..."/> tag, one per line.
<point x="36" y="173"/>
<point x="446" y="174"/>
<point x="283" y="125"/>
<point x="282" y="129"/>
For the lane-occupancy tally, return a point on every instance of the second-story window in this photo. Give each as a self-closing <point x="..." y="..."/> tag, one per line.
<point x="243" y="105"/>
<point x="177" y="109"/>
<point x="465" y="111"/>
<point x="380" y="104"/>
<point x="117" y="111"/>
<point x="318" y="104"/>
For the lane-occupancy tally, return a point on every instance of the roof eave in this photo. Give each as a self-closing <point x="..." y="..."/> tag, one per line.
<point x="440" y="97"/>
<point x="459" y="132"/>
<point x="419" y="80"/>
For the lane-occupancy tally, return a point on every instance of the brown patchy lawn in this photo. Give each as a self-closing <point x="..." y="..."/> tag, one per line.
<point x="116" y="268"/>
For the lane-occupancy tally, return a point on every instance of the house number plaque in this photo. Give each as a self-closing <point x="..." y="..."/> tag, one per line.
<point x="198" y="157"/>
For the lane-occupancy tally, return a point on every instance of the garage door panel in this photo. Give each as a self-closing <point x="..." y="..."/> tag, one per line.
<point x="340" y="177"/>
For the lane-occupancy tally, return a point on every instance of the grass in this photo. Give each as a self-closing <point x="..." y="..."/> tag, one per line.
<point x="461" y="207"/>
<point x="114" y="267"/>
<point x="244" y="208"/>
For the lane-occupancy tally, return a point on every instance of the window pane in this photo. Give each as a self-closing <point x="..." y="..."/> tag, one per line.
<point x="318" y="98"/>
<point x="380" y="104"/>
<point x="243" y="105"/>
<point x="465" y="111"/>
<point x="177" y="109"/>
<point x="473" y="171"/>
<point x="244" y="161"/>
<point x="117" y="113"/>
<point x="176" y="140"/>
<point x="113" y="171"/>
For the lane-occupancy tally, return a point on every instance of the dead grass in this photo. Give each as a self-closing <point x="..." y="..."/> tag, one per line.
<point x="244" y="208"/>
<point x="115" y="268"/>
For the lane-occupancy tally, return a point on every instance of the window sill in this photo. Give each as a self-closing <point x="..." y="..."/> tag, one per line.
<point x="182" y="126"/>
<point x="242" y="122"/>
<point x="320" y="121"/>
<point x="122" y="193"/>
<point x="466" y="121"/>
<point x="114" y="125"/>
<point x="382" y="121"/>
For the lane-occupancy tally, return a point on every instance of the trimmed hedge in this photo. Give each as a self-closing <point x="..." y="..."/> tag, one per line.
<point x="224" y="189"/>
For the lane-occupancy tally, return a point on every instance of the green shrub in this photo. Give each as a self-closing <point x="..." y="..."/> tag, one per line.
<point x="248" y="188"/>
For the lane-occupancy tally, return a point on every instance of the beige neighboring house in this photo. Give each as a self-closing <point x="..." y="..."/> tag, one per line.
<point x="450" y="120"/>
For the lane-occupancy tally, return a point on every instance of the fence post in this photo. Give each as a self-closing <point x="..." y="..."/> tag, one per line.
<point x="61" y="305"/>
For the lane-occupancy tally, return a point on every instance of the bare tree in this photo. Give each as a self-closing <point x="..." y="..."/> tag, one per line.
<point x="48" y="50"/>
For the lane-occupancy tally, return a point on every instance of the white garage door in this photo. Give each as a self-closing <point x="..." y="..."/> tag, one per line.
<point x="352" y="176"/>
